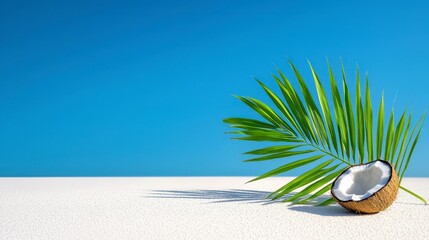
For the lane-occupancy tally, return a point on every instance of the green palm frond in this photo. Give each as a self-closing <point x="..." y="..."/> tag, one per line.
<point x="330" y="133"/>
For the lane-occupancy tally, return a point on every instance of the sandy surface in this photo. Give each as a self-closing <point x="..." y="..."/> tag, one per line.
<point x="190" y="208"/>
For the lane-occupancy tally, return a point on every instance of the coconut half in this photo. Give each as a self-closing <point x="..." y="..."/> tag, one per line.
<point x="366" y="188"/>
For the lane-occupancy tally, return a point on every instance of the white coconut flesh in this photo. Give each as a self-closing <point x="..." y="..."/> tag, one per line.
<point x="362" y="181"/>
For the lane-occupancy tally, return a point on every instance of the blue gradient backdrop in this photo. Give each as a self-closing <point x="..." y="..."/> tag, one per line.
<point x="141" y="88"/>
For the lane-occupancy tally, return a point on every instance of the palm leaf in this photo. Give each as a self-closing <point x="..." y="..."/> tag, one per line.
<point x="319" y="193"/>
<point x="316" y="185"/>
<point x="327" y="202"/>
<point x="323" y="101"/>
<point x="312" y="129"/>
<point x="380" y="127"/>
<point x="350" y="116"/>
<point x="288" y="167"/>
<point x="360" y="120"/>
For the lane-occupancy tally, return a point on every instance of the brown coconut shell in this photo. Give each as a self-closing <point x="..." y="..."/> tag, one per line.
<point x="377" y="202"/>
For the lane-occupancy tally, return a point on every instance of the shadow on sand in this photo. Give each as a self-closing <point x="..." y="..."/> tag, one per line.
<point x="216" y="196"/>
<point x="332" y="210"/>
<point x="248" y="196"/>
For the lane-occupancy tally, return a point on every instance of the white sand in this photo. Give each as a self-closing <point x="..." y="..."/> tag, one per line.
<point x="190" y="208"/>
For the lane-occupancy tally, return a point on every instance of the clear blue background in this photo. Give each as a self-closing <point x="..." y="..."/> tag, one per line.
<point x="141" y="88"/>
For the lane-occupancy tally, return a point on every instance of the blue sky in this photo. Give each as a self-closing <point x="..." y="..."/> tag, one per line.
<point x="118" y="88"/>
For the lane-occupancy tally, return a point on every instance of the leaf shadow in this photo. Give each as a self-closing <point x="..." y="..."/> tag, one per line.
<point x="216" y="196"/>
<point x="250" y="197"/>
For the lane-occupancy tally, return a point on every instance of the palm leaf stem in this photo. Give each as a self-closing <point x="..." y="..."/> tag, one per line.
<point x="328" y="153"/>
